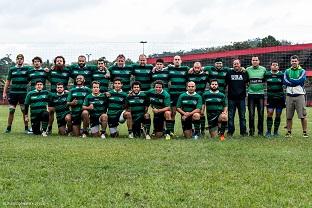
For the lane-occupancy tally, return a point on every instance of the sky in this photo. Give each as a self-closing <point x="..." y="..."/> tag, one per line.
<point x="48" y="28"/>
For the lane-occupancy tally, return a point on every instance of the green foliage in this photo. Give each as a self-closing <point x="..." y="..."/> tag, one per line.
<point x="251" y="43"/>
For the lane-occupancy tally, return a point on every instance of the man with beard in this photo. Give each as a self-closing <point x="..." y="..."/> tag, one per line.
<point x="294" y="78"/>
<point x="200" y="78"/>
<point x="37" y="73"/>
<point x="256" y="95"/>
<point x="142" y="73"/>
<point x="189" y="106"/>
<point x="83" y="69"/>
<point x="159" y="100"/>
<point x="160" y="73"/>
<point x="38" y="100"/>
<point x="236" y="81"/>
<point x="116" y="111"/>
<point x="75" y="100"/>
<point x="58" y="74"/>
<point x="101" y="75"/>
<point x="94" y="111"/>
<point x="218" y="72"/>
<point x="177" y="79"/>
<point x="58" y="104"/>
<point x="275" y="97"/>
<point x="17" y="81"/>
<point x="122" y="71"/>
<point x="137" y="104"/>
<point x="215" y="103"/>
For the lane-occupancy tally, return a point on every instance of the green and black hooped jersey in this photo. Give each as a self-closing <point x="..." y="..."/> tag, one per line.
<point x="80" y="94"/>
<point x="19" y="79"/>
<point x="143" y="75"/>
<point x="177" y="78"/>
<point x="35" y="75"/>
<point x="219" y="75"/>
<point x="59" y="102"/>
<point x="137" y="104"/>
<point x="158" y="100"/>
<point x="100" y="77"/>
<point x="161" y="75"/>
<point x="86" y="72"/>
<point x="99" y="102"/>
<point x="38" y="102"/>
<point x="200" y="80"/>
<point x="59" y="76"/>
<point x="274" y="84"/>
<point x="189" y="102"/>
<point x="256" y="80"/>
<point x="124" y="73"/>
<point x="116" y="103"/>
<point x="214" y="101"/>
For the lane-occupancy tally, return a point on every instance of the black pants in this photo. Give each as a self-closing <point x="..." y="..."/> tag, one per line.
<point x="241" y="107"/>
<point x="36" y="122"/>
<point x="253" y="102"/>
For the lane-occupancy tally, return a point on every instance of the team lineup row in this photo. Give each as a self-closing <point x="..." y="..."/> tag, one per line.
<point x="131" y="94"/>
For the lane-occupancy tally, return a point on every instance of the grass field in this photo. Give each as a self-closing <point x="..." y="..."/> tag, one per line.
<point x="74" y="172"/>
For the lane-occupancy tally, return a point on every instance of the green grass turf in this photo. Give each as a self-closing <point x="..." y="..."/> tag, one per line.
<point x="74" y="172"/>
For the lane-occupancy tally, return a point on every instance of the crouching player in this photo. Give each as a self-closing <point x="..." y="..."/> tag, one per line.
<point x="215" y="103"/>
<point x="137" y="104"/>
<point x="189" y="105"/>
<point x="58" y="104"/>
<point x="38" y="100"/>
<point x="116" y="109"/>
<point x="160" y="102"/>
<point x="94" y="111"/>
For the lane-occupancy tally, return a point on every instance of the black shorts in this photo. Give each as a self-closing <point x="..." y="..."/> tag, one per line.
<point x="16" y="98"/>
<point x="187" y="124"/>
<point x="173" y="100"/>
<point x="159" y="119"/>
<point x="276" y="103"/>
<point x="94" y="120"/>
<point x="213" y="120"/>
<point x="61" y="122"/>
<point x="76" y="120"/>
<point x="113" y="121"/>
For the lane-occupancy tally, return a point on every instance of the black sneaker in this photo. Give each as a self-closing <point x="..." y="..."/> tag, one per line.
<point x="305" y="135"/>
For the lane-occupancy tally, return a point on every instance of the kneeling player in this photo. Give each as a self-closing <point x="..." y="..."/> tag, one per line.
<point x="189" y="106"/>
<point x="116" y="109"/>
<point x="94" y="111"/>
<point x="38" y="100"/>
<point x="215" y="103"/>
<point x="58" y="104"/>
<point x="137" y="104"/>
<point x="160" y="103"/>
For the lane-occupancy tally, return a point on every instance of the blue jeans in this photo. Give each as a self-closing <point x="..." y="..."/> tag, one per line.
<point x="253" y="102"/>
<point x="240" y="105"/>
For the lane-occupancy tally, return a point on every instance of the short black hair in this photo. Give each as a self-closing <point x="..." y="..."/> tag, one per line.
<point x="159" y="82"/>
<point x="37" y="58"/>
<point x="213" y="80"/>
<point x="160" y="60"/>
<point x="274" y="61"/>
<point x="218" y="60"/>
<point x="294" y="57"/>
<point x="39" y="81"/>
<point x="117" y="79"/>
<point x="59" y="83"/>
<point x="136" y="83"/>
